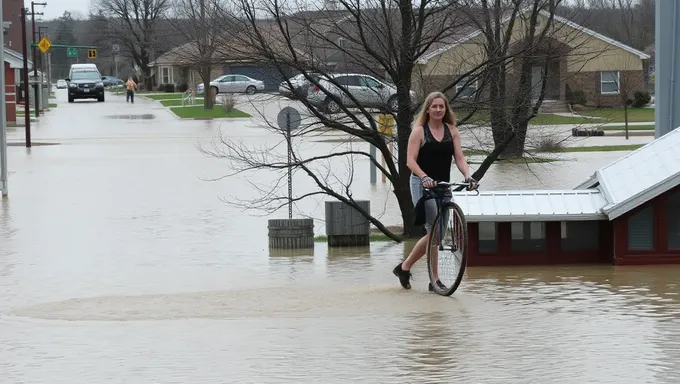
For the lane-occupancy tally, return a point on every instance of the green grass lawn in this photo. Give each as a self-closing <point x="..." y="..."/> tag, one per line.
<point x="164" y="96"/>
<point x="177" y="102"/>
<point x="616" y="115"/>
<point x="630" y="128"/>
<point x="601" y="148"/>
<point x="198" y="112"/>
<point x="589" y="116"/>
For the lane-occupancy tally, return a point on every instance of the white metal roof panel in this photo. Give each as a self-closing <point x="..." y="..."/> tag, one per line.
<point x="641" y="175"/>
<point x="532" y="205"/>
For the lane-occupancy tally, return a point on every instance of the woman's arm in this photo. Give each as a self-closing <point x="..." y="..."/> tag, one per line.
<point x="414" y="140"/>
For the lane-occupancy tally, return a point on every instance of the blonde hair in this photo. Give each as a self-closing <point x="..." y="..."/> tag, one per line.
<point x="422" y="117"/>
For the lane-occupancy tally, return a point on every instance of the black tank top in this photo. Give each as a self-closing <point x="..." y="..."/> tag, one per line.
<point x="435" y="157"/>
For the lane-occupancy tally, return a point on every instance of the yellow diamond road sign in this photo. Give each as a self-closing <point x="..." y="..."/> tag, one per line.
<point x="44" y="44"/>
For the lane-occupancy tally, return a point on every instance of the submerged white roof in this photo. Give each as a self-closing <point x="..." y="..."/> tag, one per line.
<point x="536" y="205"/>
<point x="639" y="176"/>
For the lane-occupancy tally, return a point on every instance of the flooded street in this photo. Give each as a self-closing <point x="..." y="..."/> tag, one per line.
<point x="121" y="263"/>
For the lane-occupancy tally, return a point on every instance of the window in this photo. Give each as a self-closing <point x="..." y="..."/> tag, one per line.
<point x="241" y="78"/>
<point x="580" y="235"/>
<point x="227" y="79"/>
<point x="673" y="218"/>
<point x="369" y="82"/>
<point x="527" y="236"/>
<point x="609" y="82"/>
<point x="463" y="89"/>
<point x="166" y="75"/>
<point x="347" y="80"/>
<point x="641" y="230"/>
<point x="488" y="240"/>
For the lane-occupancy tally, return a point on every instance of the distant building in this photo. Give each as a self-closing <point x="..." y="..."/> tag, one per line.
<point x="628" y="212"/>
<point x="11" y="16"/>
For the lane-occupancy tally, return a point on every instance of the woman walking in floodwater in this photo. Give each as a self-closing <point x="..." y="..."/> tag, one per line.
<point x="432" y="146"/>
<point x="130" y="87"/>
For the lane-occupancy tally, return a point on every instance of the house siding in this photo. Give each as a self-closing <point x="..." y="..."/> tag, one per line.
<point x="583" y="58"/>
<point x="589" y="83"/>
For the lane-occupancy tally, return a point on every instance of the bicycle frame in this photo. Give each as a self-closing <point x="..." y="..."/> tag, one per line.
<point x="441" y="207"/>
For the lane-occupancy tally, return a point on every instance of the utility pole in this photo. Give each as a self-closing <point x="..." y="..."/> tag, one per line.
<point x="3" y="121"/>
<point x="27" y="115"/>
<point x="41" y="57"/>
<point x="35" y="67"/>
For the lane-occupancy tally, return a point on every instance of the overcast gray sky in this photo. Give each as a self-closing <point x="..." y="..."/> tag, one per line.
<point x="56" y="8"/>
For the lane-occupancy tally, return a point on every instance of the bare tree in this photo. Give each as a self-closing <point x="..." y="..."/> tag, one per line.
<point x="132" y="24"/>
<point x="388" y="41"/>
<point x="203" y="24"/>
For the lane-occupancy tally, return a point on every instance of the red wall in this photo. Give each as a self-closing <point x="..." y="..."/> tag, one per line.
<point x="552" y="254"/>
<point x="11" y="11"/>
<point x="10" y="95"/>
<point x="661" y="254"/>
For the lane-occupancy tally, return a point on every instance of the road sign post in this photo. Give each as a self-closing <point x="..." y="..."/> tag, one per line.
<point x="288" y="120"/>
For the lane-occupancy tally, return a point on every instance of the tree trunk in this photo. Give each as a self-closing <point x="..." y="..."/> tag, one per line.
<point x="207" y="93"/>
<point x="625" y="115"/>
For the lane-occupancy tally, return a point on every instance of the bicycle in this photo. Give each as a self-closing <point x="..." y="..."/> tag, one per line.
<point x="455" y="231"/>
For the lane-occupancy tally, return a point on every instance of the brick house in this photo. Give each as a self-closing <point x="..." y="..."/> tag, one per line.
<point x="575" y="58"/>
<point x="626" y="213"/>
<point x="11" y="10"/>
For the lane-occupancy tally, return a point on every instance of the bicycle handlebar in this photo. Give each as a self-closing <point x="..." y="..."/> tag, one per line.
<point x="453" y="184"/>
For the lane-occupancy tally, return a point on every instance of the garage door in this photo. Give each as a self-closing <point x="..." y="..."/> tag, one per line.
<point x="270" y="75"/>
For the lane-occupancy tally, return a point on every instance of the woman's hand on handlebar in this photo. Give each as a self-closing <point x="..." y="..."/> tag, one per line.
<point x="473" y="183"/>
<point x="428" y="182"/>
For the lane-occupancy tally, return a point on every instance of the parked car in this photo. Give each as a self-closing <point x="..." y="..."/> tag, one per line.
<point x="61" y="83"/>
<point x="234" y="84"/>
<point x="110" y="81"/>
<point x="300" y="85"/>
<point x="367" y="90"/>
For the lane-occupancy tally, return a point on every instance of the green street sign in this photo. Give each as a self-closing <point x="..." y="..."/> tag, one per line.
<point x="71" y="52"/>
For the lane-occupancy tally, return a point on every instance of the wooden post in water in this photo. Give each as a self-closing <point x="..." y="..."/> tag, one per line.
<point x="345" y="226"/>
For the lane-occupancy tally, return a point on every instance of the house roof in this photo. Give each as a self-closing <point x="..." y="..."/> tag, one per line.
<point x="15" y="59"/>
<point x="535" y="205"/>
<point x="638" y="176"/>
<point x="436" y="52"/>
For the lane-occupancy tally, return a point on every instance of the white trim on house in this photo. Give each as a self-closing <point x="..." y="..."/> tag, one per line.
<point x="533" y="205"/>
<point x="424" y="59"/>
<point x="171" y="70"/>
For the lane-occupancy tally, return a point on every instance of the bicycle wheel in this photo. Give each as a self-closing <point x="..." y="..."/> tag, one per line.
<point x="446" y="260"/>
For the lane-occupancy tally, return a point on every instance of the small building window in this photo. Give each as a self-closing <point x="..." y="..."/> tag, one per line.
<point x="527" y="236"/>
<point x="641" y="230"/>
<point x="580" y="235"/>
<point x="673" y="218"/>
<point x="488" y="237"/>
<point x="166" y="75"/>
<point x="465" y="89"/>
<point x="609" y="82"/>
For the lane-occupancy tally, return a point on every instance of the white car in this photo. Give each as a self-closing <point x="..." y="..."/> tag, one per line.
<point x="300" y="84"/>
<point x="367" y="90"/>
<point x="234" y="84"/>
<point x="61" y="83"/>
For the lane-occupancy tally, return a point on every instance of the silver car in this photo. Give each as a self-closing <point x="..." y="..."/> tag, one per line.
<point x="368" y="91"/>
<point x="235" y="84"/>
